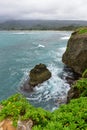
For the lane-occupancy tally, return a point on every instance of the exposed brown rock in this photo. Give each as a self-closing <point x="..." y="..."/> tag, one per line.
<point x="39" y="74"/>
<point x="7" y="125"/>
<point x="25" y="125"/>
<point x="22" y="125"/>
<point x="75" y="55"/>
<point x="72" y="94"/>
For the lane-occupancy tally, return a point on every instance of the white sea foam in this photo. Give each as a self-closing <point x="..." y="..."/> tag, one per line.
<point x="53" y="88"/>
<point x="62" y="49"/>
<point x="65" y="37"/>
<point x="40" y="45"/>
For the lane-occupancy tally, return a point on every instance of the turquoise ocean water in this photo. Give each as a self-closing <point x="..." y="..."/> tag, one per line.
<point x="20" y="51"/>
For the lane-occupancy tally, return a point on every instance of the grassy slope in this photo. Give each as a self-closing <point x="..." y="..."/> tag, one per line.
<point x="82" y="30"/>
<point x="72" y="116"/>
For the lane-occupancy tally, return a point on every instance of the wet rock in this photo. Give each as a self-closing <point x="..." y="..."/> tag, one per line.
<point x="26" y="87"/>
<point x="72" y="94"/>
<point x="75" y="55"/>
<point x="60" y="101"/>
<point x="70" y="80"/>
<point x="39" y="74"/>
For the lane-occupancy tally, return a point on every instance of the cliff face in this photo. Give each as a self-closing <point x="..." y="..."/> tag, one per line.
<point x="75" y="55"/>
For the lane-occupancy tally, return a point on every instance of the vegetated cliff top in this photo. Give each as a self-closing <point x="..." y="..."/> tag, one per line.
<point x="82" y="30"/>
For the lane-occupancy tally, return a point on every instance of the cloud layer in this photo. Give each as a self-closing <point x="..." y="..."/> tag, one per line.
<point x="43" y="9"/>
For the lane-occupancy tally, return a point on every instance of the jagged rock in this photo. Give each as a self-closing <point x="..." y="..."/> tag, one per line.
<point x="39" y="74"/>
<point x="7" y="125"/>
<point x="25" y="125"/>
<point x="22" y="125"/>
<point x="72" y="94"/>
<point x="75" y="55"/>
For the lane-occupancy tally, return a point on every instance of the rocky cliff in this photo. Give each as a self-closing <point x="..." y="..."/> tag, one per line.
<point x="75" y="55"/>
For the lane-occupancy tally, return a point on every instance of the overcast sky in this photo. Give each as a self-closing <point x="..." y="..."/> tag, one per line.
<point x="44" y="9"/>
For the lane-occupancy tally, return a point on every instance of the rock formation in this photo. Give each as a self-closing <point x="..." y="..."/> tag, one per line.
<point x="75" y="55"/>
<point x="72" y="94"/>
<point x="39" y="74"/>
<point x="22" y="125"/>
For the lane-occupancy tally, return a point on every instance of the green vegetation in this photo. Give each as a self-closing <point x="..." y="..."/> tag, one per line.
<point x="82" y="30"/>
<point x="84" y="75"/>
<point x="72" y="116"/>
<point x="17" y="107"/>
<point x="42" y="25"/>
<point x="81" y="85"/>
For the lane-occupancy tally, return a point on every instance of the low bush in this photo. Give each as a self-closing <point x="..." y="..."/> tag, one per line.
<point x="81" y="85"/>
<point x="72" y="116"/>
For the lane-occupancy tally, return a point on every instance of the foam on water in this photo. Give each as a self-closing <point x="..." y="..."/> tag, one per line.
<point x="21" y="52"/>
<point x="41" y="45"/>
<point x="51" y="90"/>
<point x="65" y="38"/>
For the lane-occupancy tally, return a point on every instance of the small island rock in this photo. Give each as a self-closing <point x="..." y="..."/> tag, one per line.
<point x="39" y="74"/>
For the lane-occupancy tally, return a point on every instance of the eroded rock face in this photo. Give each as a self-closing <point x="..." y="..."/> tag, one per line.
<point x="39" y="74"/>
<point x="72" y="94"/>
<point x="75" y="55"/>
<point x="7" y="124"/>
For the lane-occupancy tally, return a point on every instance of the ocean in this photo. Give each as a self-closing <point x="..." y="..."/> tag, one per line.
<point x="20" y="51"/>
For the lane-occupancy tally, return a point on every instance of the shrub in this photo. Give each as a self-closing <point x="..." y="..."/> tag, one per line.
<point x="84" y="75"/>
<point x="81" y="85"/>
<point x="72" y="116"/>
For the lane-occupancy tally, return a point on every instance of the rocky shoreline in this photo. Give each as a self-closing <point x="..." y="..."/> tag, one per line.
<point x="75" y="57"/>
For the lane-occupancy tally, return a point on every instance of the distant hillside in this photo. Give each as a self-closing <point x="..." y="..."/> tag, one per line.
<point x="41" y="25"/>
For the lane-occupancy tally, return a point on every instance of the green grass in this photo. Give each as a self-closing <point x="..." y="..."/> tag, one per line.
<point x="82" y="30"/>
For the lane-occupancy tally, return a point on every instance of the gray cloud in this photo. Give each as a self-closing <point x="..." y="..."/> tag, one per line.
<point x="43" y="9"/>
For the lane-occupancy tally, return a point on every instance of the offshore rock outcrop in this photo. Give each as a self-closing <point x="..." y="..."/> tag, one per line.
<point x="75" y="55"/>
<point x="39" y="74"/>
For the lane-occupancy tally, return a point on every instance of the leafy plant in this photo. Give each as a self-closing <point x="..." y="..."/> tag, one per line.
<point x="72" y="116"/>
<point x="84" y="75"/>
<point x="81" y="85"/>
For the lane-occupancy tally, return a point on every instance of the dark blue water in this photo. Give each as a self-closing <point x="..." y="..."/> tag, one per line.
<point x="21" y="51"/>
